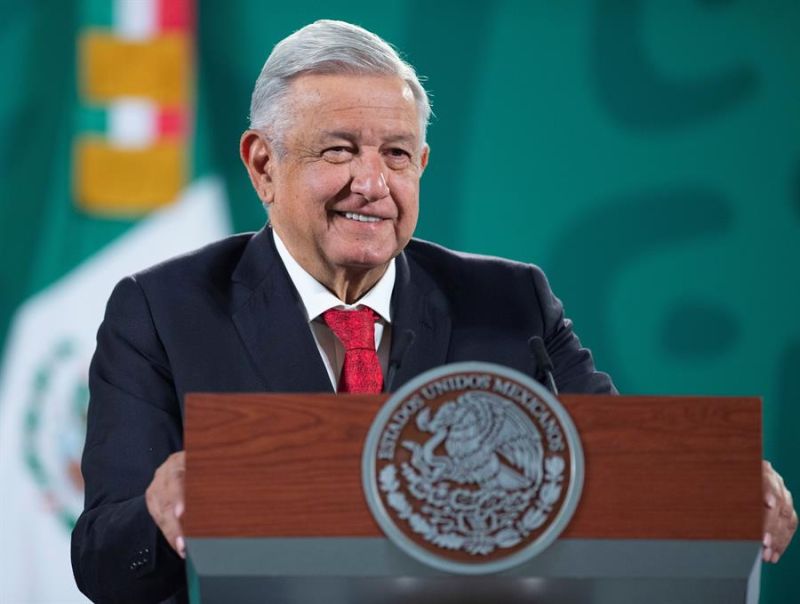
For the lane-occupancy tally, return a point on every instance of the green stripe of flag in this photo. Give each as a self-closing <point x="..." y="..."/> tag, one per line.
<point x="91" y="119"/>
<point x="97" y="13"/>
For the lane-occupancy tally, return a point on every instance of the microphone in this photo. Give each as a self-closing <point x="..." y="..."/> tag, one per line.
<point x="406" y="340"/>
<point x="544" y="365"/>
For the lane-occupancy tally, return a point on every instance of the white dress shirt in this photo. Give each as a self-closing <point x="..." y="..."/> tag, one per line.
<point x="317" y="299"/>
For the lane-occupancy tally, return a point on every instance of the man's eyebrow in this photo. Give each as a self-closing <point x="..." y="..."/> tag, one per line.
<point x="340" y="134"/>
<point x="401" y="138"/>
<point x="353" y="136"/>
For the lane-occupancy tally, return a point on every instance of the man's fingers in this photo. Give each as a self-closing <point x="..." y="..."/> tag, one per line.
<point x="788" y="509"/>
<point x="165" y="500"/>
<point x="170" y="526"/>
<point x="160" y="504"/>
<point x="786" y="525"/>
<point x="780" y="517"/>
<point x="787" y="503"/>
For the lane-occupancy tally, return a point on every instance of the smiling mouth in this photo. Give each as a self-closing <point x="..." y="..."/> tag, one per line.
<point x="359" y="217"/>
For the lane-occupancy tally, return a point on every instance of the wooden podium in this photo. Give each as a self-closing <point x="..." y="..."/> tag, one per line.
<point x="671" y="507"/>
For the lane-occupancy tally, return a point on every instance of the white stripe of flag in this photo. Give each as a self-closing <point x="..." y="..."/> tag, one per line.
<point x="136" y="19"/>
<point x="132" y="122"/>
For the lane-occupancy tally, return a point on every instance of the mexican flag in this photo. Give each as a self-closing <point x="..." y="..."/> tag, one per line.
<point x="98" y="180"/>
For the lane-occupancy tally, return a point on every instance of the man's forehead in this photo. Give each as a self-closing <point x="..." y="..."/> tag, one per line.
<point x="367" y="90"/>
<point x="349" y="106"/>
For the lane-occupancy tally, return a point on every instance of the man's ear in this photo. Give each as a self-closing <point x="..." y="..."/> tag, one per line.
<point x="424" y="157"/>
<point x="258" y="156"/>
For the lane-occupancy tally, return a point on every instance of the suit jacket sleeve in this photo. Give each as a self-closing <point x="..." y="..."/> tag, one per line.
<point x="134" y="424"/>
<point x="574" y="369"/>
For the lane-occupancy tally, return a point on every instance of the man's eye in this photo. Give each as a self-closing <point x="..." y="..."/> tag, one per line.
<point x="398" y="156"/>
<point x="337" y="153"/>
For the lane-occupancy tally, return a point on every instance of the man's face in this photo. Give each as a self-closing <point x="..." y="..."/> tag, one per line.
<point x="344" y="197"/>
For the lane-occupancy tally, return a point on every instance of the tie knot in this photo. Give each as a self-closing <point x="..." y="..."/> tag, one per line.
<point x="354" y="328"/>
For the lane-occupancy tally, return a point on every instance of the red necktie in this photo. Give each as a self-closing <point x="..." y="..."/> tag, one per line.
<point x="361" y="372"/>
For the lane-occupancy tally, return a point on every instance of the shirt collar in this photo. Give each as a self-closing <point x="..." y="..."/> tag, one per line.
<point x="317" y="298"/>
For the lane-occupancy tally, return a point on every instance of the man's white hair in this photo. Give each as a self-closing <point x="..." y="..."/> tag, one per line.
<point x="326" y="47"/>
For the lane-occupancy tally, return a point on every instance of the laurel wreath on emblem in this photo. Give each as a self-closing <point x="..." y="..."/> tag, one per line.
<point x="506" y="507"/>
<point x="56" y="469"/>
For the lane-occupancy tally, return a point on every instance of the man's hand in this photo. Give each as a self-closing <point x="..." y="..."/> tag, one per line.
<point x="780" y="517"/>
<point x="164" y="499"/>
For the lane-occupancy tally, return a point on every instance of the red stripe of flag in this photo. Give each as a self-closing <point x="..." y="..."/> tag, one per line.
<point x="172" y="122"/>
<point x="176" y="15"/>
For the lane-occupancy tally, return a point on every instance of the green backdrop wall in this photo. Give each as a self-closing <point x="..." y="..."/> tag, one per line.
<point x="646" y="154"/>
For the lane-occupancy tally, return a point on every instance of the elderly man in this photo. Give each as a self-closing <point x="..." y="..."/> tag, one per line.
<point x="335" y="151"/>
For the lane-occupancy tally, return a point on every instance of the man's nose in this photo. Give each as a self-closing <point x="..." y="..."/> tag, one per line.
<point x="369" y="180"/>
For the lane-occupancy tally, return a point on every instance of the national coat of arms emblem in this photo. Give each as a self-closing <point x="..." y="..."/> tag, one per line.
<point x="472" y="468"/>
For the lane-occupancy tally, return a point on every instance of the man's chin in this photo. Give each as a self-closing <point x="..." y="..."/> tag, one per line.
<point x="360" y="253"/>
<point x="361" y="261"/>
<point x="365" y="265"/>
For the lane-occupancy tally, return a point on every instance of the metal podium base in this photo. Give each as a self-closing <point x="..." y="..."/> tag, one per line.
<point x="372" y="570"/>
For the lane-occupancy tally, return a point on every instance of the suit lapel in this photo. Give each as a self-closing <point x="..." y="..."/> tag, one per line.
<point x="269" y="318"/>
<point x="418" y="305"/>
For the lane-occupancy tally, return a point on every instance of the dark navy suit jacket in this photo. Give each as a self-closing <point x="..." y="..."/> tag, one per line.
<point x="227" y="319"/>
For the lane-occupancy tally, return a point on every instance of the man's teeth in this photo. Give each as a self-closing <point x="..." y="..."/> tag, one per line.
<point x="361" y="217"/>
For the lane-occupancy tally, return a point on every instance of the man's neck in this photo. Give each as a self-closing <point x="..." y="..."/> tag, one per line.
<point x="349" y="287"/>
<point x="348" y="284"/>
